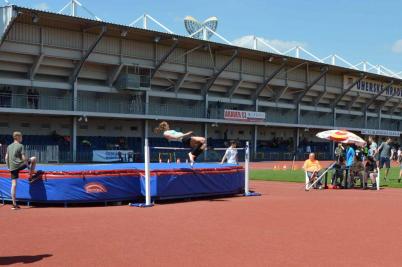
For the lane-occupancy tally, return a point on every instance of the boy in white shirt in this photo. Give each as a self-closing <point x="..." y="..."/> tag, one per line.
<point x="230" y="154"/>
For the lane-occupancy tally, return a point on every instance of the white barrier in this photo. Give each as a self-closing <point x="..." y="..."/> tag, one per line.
<point x="43" y="154"/>
<point x="147" y="174"/>
<point x="308" y="186"/>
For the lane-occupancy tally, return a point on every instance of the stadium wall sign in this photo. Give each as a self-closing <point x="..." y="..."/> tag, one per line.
<point x="241" y="115"/>
<point x="371" y="86"/>
<point x="112" y="155"/>
<point x="380" y="132"/>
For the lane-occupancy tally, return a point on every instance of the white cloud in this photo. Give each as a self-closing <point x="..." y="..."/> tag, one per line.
<point x="281" y="45"/>
<point x="42" y="6"/>
<point x="397" y="47"/>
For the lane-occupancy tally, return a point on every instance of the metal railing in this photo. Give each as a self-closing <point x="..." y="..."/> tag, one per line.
<point x="288" y="156"/>
<point x="129" y="104"/>
<point x="195" y="111"/>
<point x="44" y="102"/>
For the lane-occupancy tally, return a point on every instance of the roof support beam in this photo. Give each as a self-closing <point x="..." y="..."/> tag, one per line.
<point x="371" y="101"/>
<point x="388" y="99"/>
<point x="319" y="97"/>
<point x="262" y="86"/>
<point x="281" y="93"/>
<point x="309" y="86"/>
<point x="322" y="94"/>
<point x="234" y="88"/>
<point x="35" y="66"/>
<point x="213" y="78"/>
<point x="395" y="107"/>
<point x="345" y="91"/>
<point x="180" y="81"/>
<point x="352" y="101"/>
<point x="165" y="56"/>
<point x="115" y="74"/>
<point x="9" y="27"/>
<point x="78" y="67"/>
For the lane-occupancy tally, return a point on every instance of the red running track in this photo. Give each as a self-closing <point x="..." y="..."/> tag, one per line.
<point x="287" y="165"/>
<point x="285" y="227"/>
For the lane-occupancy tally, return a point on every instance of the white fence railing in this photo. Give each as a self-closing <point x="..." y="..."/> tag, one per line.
<point x="43" y="154"/>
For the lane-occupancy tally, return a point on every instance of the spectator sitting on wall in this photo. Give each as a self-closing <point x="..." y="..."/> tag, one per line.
<point x="313" y="169"/>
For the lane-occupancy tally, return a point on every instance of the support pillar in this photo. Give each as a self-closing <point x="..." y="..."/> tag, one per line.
<point x="334" y="117"/>
<point x="255" y="140"/>
<point x="297" y="143"/>
<point x="206" y="107"/>
<point x="146" y="133"/>
<point x="73" y="140"/>
<point x="206" y="138"/>
<point x="365" y="119"/>
<point x="379" y="118"/>
<point x="146" y="103"/>
<point x="298" y="120"/>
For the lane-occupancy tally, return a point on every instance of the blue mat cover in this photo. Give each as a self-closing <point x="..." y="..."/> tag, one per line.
<point x="116" y="182"/>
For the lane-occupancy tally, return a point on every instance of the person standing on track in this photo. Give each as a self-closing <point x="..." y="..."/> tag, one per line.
<point x="196" y="143"/>
<point x="384" y="150"/>
<point x="17" y="161"/>
<point x="230" y="154"/>
<point x="350" y="157"/>
<point x="400" y="163"/>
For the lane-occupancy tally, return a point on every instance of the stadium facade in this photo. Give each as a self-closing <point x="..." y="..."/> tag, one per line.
<point x="78" y="77"/>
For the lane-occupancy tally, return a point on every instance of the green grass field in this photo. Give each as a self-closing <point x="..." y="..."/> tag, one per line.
<point x="298" y="176"/>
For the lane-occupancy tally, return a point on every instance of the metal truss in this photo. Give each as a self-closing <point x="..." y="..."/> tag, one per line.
<point x="35" y="66"/>
<point x="309" y="86"/>
<point x="344" y="92"/>
<point x="353" y="101"/>
<point x="262" y="86"/>
<point x="78" y="67"/>
<point x="73" y="4"/>
<point x="213" y="78"/>
<point x="232" y="90"/>
<point x="165" y="56"/>
<point x="372" y="99"/>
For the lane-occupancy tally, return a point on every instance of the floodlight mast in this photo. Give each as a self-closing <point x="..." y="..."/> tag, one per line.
<point x="145" y="17"/>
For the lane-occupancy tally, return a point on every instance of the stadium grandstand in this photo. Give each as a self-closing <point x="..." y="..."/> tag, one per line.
<point x="74" y="86"/>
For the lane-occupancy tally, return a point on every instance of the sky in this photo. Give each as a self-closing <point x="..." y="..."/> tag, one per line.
<point x="356" y="30"/>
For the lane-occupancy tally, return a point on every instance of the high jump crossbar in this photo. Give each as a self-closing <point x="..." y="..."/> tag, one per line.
<point x="147" y="174"/>
<point x="188" y="149"/>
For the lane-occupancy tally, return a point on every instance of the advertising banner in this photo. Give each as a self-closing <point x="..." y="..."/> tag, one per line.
<point x="241" y="115"/>
<point x="112" y="156"/>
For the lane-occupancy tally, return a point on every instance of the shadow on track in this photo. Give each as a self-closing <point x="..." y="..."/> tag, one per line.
<point x="23" y="259"/>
